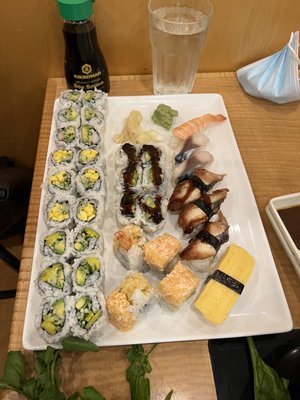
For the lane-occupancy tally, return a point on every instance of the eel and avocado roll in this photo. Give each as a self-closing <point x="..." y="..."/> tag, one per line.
<point x="89" y="210"/>
<point x="55" y="278"/>
<point x="153" y="160"/>
<point x="89" y="137"/>
<point x="88" y="273"/>
<point x="88" y="315"/>
<point x="153" y="211"/>
<point x="128" y="211"/>
<point x="61" y="181"/>
<point x="128" y="154"/>
<point x="91" y="180"/>
<point x="66" y="136"/>
<point x="56" y="243"/>
<point x="94" y="117"/>
<point x="128" y="300"/>
<point x="128" y="245"/>
<point x="68" y="116"/>
<point x="51" y="322"/>
<point x="59" y="211"/>
<point x="69" y="98"/>
<point x="62" y="157"/>
<point x="86" y="239"/>
<point x="89" y="158"/>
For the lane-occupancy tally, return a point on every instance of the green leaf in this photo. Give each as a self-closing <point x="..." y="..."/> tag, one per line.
<point x="13" y="372"/>
<point x="79" y="344"/>
<point x="267" y="383"/>
<point x="90" y="393"/>
<point x="29" y="388"/>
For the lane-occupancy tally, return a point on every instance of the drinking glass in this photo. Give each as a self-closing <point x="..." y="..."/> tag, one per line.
<point x="177" y="34"/>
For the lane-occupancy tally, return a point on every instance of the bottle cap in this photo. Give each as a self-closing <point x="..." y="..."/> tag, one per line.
<point x="75" y="10"/>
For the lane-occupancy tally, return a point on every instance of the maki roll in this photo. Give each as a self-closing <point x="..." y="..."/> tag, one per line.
<point x="55" y="278"/>
<point x="94" y="117"/>
<point x="127" y="154"/>
<point x="91" y="180"/>
<point x="153" y="211"/>
<point x="89" y="158"/>
<point x="89" y="210"/>
<point x="62" y="157"/>
<point x="128" y="168"/>
<point x="61" y="181"/>
<point x="153" y="159"/>
<point x="126" y="302"/>
<point x="51" y="322"/>
<point x="69" y="98"/>
<point x="95" y="98"/>
<point x="128" y="211"/>
<point x="89" y="137"/>
<point x="88" y="315"/>
<point x="86" y="240"/>
<point x="66" y="135"/>
<point x="56" y="243"/>
<point x="68" y="116"/>
<point x="59" y="212"/>
<point x="128" y="245"/>
<point x="88" y="274"/>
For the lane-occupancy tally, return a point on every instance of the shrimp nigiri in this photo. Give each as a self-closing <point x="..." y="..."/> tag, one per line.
<point x="189" y="128"/>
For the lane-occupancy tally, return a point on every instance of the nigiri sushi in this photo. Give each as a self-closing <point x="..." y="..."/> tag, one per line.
<point x="189" y="128"/>
<point x="199" y="158"/>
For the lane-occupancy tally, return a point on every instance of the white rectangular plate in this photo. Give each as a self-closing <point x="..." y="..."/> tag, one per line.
<point x="262" y="307"/>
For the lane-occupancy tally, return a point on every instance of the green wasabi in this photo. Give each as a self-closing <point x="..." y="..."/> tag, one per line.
<point x="163" y="116"/>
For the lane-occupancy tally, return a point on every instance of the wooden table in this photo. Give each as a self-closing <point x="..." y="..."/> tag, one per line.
<point x="268" y="137"/>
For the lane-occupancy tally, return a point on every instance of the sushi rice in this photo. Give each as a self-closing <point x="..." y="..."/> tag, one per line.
<point x="54" y="278"/>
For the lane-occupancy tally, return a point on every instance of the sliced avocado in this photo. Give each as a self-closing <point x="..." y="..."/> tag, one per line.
<point x="91" y="322"/>
<point x="78" y="246"/>
<point x="81" y="302"/>
<point x="91" y="233"/>
<point x="59" y="308"/>
<point x="89" y="113"/>
<point x="81" y="276"/>
<point x="92" y="263"/>
<point x="73" y="96"/>
<point x="89" y="316"/>
<point x="71" y="114"/>
<point x="88" y="96"/>
<point x="150" y="203"/>
<point x="54" y="275"/>
<point x="147" y="156"/>
<point x="85" y="134"/>
<point x="59" y="247"/>
<point x="49" y="327"/>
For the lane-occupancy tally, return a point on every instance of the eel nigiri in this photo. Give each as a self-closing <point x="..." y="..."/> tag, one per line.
<point x="189" y="128"/>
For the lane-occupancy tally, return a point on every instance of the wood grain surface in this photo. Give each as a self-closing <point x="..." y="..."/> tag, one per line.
<point x="269" y="141"/>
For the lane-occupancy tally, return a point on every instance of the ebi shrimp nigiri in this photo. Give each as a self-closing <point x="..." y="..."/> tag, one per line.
<point x="189" y="128"/>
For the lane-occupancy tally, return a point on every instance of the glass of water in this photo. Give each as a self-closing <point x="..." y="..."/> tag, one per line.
<point x="177" y="34"/>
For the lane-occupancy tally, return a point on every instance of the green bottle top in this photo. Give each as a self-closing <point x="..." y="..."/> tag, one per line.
<point x="75" y="10"/>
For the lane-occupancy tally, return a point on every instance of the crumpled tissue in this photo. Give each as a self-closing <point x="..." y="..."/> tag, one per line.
<point x="275" y="77"/>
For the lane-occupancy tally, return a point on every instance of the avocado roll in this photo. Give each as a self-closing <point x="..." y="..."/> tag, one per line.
<point x="69" y="98"/>
<point x="51" y="322"/>
<point x="62" y="157"/>
<point x="61" y="181"/>
<point x="56" y="243"/>
<point x="66" y="135"/>
<point x="68" y="116"/>
<point x="128" y="210"/>
<point x="89" y="157"/>
<point x="59" y="211"/>
<point x="55" y="278"/>
<point x="86" y="239"/>
<point x="95" y="98"/>
<point x="89" y="210"/>
<point x="153" y="208"/>
<point x="94" y="117"/>
<point x="89" y="137"/>
<point x="91" y="180"/>
<point x="88" y="273"/>
<point x="88" y="315"/>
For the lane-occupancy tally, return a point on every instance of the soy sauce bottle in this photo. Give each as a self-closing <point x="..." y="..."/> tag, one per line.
<point x="85" y="66"/>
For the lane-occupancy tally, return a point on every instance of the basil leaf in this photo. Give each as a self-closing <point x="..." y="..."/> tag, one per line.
<point x="90" y="393"/>
<point x="29" y="388"/>
<point x="75" y="396"/>
<point x="13" y="372"/>
<point x="79" y="344"/>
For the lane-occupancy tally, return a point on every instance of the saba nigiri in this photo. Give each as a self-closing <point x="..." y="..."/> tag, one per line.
<point x="189" y="128"/>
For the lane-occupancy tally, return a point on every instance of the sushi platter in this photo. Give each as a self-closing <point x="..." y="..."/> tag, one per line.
<point x="97" y="190"/>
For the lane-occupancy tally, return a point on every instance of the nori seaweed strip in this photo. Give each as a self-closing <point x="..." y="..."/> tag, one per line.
<point x="226" y="280"/>
<point x="207" y="237"/>
<point x="204" y="206"/>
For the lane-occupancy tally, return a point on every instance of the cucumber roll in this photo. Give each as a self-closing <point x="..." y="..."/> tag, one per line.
<point x="91" y="180"/>
<point x="88" y="315"/>
<point x="95" y="98"/>
<point x="89" y="137"/>
<point x="61" y="181"/>
<point x="69" y="98"/>
<point x="59" y="211"/>
<point x="56" y="243"/>
<point x="153" y="211"/>
<point x="62" y="157"/>
<point x="88" y="273"/>
<point x="93" y="116"/>
<point x="128" y="211"/>
<point x="89" y="157"/>
<point x="89" y="210"/>
<point x="55" y="278"/>
<point x="68" y="116"/>
<point x="86" y="239"/>
<point x="51" y="322"/>
<point x="66" y="135"/>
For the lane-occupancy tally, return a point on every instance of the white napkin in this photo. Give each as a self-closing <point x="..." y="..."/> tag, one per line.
<point x="275" y="77"/>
